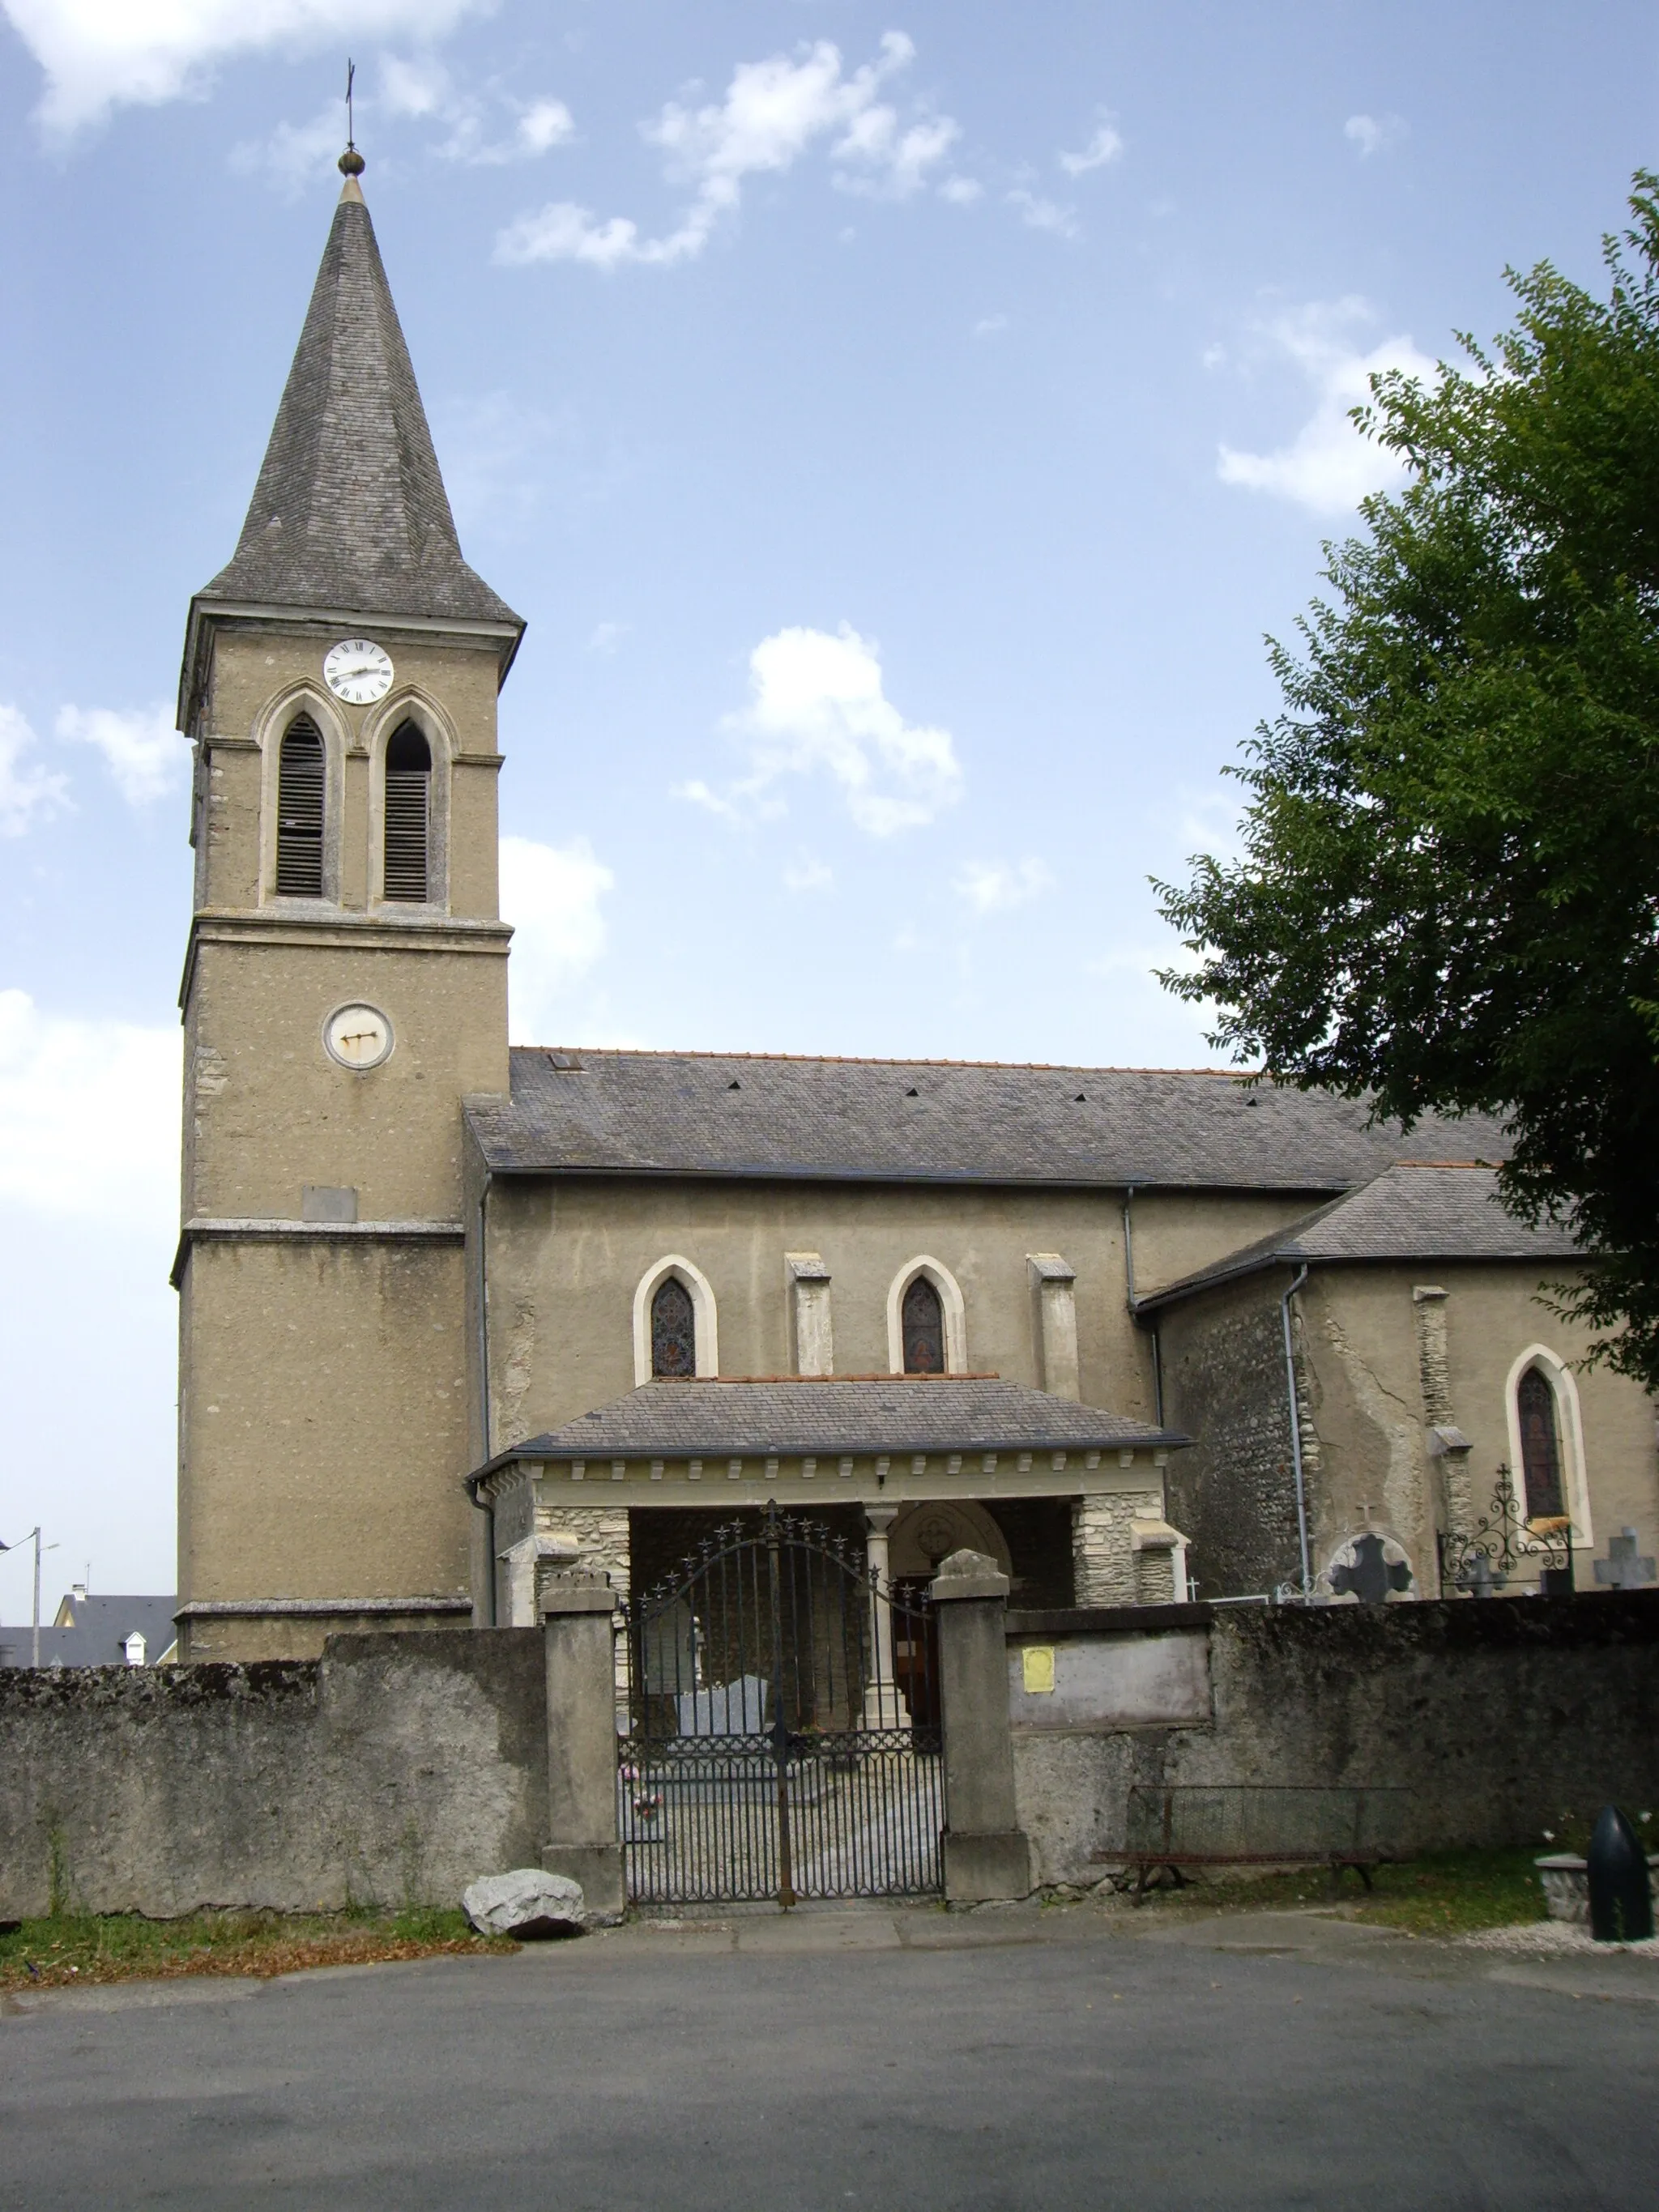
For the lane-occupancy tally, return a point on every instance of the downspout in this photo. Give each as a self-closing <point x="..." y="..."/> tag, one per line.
<point x="483" y="1381"/>
<point x="1300" y="1278"/>
<point x="1129" y="1289"/>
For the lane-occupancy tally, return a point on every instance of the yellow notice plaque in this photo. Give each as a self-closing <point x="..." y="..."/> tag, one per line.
<point x="1038" y="1662"/>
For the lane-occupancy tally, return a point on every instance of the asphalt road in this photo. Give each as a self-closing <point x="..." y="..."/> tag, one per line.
<point x="901" y="2061"/>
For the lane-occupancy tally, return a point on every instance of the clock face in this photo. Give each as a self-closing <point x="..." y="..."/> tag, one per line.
<point x="359" y="1037"/>
<point x="358" y="671"/>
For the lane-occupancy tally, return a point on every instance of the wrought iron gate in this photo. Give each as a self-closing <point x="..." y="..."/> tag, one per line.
<point x="783" y="1737"/>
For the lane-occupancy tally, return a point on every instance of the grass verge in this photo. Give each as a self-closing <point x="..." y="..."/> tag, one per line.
<point x="1441" y="1894"/>
<point x="77" y="1948"/>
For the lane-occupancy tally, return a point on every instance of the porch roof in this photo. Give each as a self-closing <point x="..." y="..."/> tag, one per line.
<point x="786" y="1416"/>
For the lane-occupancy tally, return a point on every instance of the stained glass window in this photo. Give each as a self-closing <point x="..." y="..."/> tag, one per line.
<point x="923" y="1318"/>
<point x="673" y="1330"/>
<point x="1541" y="1446"/>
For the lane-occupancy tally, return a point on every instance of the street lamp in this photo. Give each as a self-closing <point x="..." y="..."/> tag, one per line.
<point x="33" y="1537"/>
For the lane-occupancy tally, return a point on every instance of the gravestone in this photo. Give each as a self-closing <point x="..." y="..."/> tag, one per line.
<point x="1367" y="1572"/>
<point x="1622" y="1568"/>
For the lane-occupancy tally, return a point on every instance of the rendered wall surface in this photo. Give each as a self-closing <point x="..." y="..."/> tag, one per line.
<point x="565" y="1257"/>
<point x="324" y="1425"/>
<point x="393" y="1771"/>
<point x="1496" y="1717"/>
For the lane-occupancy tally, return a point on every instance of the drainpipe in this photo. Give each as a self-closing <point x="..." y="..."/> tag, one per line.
<point x="483" y="1380"/>
<point x="1130" y="1298"/>
<point x="1300" y="1278"/>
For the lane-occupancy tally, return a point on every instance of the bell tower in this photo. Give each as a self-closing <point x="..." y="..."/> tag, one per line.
<point x="344" y="989"/>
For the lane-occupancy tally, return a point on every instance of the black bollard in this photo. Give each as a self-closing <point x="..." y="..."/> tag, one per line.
<point x="1620" y="1901"/>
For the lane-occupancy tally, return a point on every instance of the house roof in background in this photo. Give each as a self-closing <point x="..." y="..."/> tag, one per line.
<point x="98" y="1637"/>
<point x="1414" y="1210"/>
<point x="788" y="1415"/>
<point x="738" y="1115"/>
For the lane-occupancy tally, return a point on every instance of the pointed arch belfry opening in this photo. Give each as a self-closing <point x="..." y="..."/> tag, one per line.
<point x="407" y="865"/>
<point x="301" y="786"/>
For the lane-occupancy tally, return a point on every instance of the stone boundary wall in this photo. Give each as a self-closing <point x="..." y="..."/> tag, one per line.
<point x="391" y="1771"/>
<point x="1498" y="1717"/>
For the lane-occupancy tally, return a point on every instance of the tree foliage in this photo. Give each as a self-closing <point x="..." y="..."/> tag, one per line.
<point x="1447" y="897"/>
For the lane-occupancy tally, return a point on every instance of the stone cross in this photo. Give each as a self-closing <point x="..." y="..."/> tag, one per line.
<point x="1622" y="1568"/>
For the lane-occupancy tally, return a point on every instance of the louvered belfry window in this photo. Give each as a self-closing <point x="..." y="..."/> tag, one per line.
<point x="673" y="1330"/>
<point x="923" y="1318"/>
<point x="1541" y="1446"/>
<point x="408" y="812"/>
<point x="300" y="775"/>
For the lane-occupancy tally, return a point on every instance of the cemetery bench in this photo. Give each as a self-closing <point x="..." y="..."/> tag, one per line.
<point x="1174" y="1829"/>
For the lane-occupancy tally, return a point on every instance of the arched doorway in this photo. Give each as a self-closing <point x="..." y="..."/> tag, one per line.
<point x="923" y="1534"/>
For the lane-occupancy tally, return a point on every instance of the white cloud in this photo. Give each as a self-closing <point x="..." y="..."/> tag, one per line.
<point x="28" y="792"/>
<point x="1040" y="214"/>
<point x="607" y="636"/>
<point x="962" y="191"/>
<point x="1105" y="146"/>
<point x="423" y="89"/>
<point x="552" y="895"/>
<point x="807" y="874"/>
<point x="142" y="750"/>
<point x="773" y="112"/>
<point x="819" y="704"/>
<point x="997" y="886"/>
<point x="699" y="794"/>
<point x="88" y="1116"/>
<point x="295" y="154"/>
<point x="1375" y="134"/>
<point x="1328" y="467"/>
<point x="988" y="326"/>
<point x="97" y="54"/>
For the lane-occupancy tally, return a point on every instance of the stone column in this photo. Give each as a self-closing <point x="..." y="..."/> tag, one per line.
<point x="885" y="1706"/>
<point x="986" y="1853"/>
<point x="583" y="1839"/>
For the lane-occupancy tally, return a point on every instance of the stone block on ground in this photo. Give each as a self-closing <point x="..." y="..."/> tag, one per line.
<point x="529" y="1903"/>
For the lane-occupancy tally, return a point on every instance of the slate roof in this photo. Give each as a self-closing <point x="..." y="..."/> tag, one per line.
<point x="349" y="512"/>
<point x="735" y="1114"/>
<point x="789" y="1415"/>
<point x="98" y="1634"/>
<point x="1414" y="1210"/>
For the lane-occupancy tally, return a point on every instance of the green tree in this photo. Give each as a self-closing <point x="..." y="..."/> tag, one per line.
<point x="1447" y="897"/>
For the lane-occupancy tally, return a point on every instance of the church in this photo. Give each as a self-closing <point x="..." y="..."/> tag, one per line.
<point x="449" y="1310"/>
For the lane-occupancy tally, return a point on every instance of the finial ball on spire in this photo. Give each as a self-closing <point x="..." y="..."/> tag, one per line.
<point x="352" y="163"/>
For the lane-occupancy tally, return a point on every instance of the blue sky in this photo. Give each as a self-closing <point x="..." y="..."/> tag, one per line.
<point x="898" y="425"/>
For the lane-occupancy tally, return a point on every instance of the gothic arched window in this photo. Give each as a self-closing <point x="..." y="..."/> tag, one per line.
<point x="922" y="1318"/>
<point x="1541" y="1446"/>
<point x="300" y="778"/>
<point x="673" y="1329"/>
<point x="408" y="812"/>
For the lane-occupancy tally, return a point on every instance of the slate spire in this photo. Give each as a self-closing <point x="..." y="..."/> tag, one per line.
<point x="349" y="512"/>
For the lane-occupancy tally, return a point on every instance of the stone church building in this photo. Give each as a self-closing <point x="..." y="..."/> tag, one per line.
<point x="448" y="1309"/>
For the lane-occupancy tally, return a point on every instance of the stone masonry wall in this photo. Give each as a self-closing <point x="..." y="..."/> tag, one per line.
<point x="1499" y="1719"/>
<point x="393" y="1770"/>
<point x="1232" y="1493"/>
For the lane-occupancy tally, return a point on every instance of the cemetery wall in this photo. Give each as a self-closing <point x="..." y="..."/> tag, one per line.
<point x="1498" y="1718"/>
<point x="391" y="1771"/>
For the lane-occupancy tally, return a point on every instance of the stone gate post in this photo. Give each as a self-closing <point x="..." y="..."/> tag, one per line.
<point x="987" y="1854"/>
<point x="583" y="1840"/>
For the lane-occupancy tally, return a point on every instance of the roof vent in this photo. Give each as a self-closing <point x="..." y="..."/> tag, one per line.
<point x="1080" y="1100"/>
<point x="734" y="1085"/>
<point x="912" y="1092"/>
<point x="566" y="1062"/>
